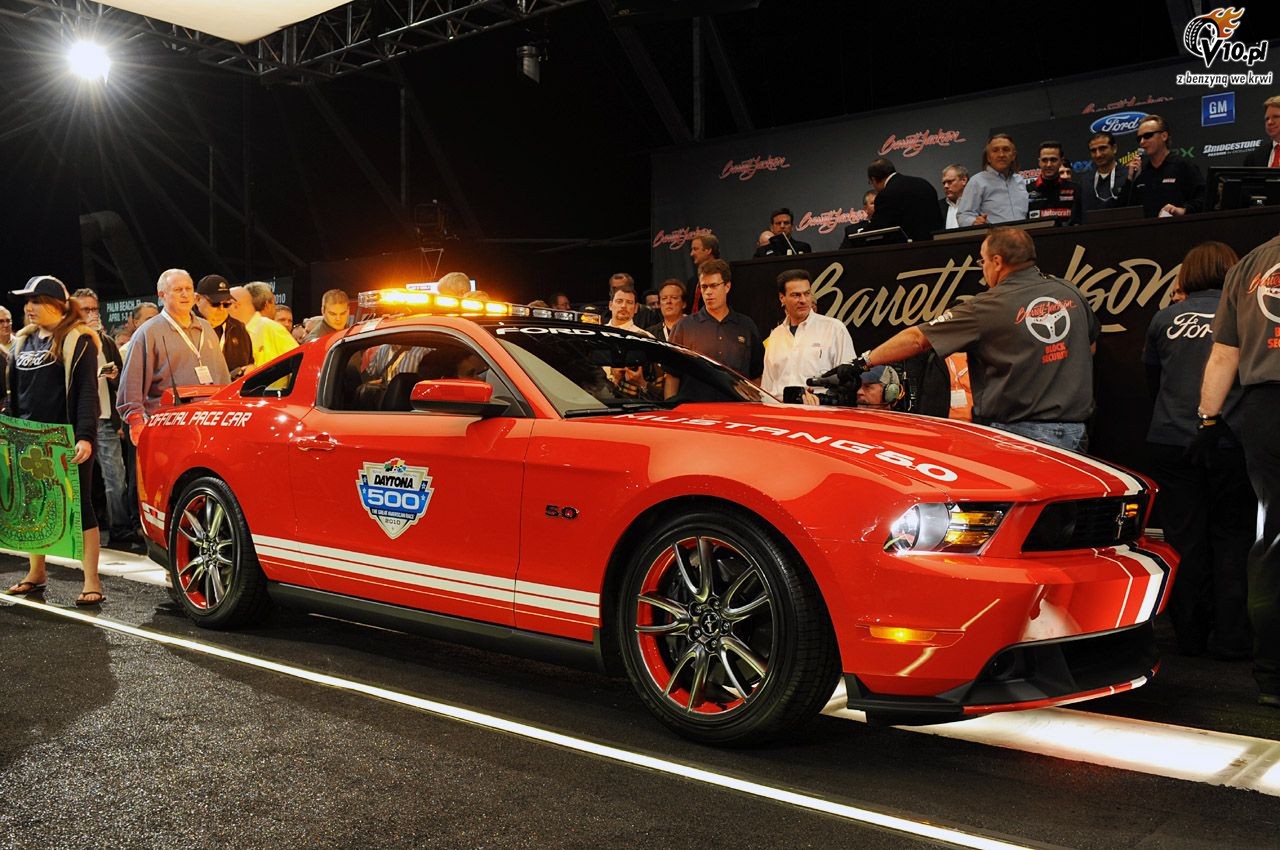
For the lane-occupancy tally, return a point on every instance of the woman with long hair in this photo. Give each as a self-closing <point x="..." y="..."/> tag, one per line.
<point x="53" y="378"/>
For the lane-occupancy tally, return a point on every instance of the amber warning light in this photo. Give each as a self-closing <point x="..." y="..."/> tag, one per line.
<point x="400" y="302"/>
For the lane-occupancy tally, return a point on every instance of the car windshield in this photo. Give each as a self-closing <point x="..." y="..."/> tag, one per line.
<point x="586" y="371"/>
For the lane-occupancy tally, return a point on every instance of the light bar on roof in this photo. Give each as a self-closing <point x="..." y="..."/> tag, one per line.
<point x="405" y="301"/>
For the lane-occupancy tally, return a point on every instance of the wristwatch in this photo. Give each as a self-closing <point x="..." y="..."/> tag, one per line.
<point x="1207" y="418"/>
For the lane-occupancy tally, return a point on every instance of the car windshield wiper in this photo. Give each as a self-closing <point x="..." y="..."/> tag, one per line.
<point x="625" y="407"/>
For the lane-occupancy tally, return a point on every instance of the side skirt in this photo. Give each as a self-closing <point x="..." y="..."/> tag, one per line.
<point x="555" y="650"/>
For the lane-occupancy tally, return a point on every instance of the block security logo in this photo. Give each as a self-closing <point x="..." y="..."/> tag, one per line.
<point x="1211" y="38"/>
<point x="1218" y="109"/>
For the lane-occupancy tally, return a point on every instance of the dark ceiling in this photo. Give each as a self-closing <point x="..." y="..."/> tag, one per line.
<point x="565" y="159"/>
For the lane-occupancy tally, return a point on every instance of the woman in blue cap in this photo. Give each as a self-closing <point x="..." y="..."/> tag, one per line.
<point x="53" y="378"/>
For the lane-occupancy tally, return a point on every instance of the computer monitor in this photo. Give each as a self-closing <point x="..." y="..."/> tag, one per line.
<point x="879" y="236"/>
<point x="1241" y="187"/>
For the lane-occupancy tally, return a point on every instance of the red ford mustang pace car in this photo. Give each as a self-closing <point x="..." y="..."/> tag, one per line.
<point x="540" y="485"/>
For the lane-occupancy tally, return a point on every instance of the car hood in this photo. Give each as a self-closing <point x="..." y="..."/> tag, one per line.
<point x="967" y="461"/>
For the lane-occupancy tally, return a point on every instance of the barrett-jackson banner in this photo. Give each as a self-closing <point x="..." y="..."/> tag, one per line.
<point x="729" y="186"/>
<point x="1125" y="271"/>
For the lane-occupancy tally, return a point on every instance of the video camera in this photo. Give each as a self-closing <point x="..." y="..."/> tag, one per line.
<point x="843" y="382"/>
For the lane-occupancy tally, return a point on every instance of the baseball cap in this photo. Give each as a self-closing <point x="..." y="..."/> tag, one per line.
<point x="215" y="288"/>
<point x="43" y="284"/>
<point x="874" y="375"/>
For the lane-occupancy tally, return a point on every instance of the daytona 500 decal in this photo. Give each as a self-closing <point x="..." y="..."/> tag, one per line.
<point x="394" y="495"/>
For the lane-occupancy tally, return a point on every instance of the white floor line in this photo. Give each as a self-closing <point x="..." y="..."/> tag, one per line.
<point x="676" y="769"/>
<point x="1178" y="752"/>
<point x="1160" y="749"/>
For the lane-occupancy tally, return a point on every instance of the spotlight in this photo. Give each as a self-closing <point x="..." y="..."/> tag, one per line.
<point x="89" y="60"/>
<point x="531" y="56"/>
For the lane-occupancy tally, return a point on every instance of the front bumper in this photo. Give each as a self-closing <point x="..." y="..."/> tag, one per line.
<point x="927" y="629"/>
<point x="1028" y="675"/>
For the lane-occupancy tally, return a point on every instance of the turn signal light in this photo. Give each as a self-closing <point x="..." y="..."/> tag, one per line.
<point x="898" y="634"/>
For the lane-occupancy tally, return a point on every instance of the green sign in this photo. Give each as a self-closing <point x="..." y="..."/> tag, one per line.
<point x="39" y="489"/>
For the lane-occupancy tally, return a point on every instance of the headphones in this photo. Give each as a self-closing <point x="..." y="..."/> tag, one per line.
<point x="892" y="384"/>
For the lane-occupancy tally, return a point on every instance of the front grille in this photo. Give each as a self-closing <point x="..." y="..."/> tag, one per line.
<point x="1087" y="524"/>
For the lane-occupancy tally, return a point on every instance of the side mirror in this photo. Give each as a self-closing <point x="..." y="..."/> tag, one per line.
<point x="461" y="396"/>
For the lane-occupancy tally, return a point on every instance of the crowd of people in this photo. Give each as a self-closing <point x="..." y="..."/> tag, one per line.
<point x="1156" y="179"/>
<point x="62" y="367"/>
<point x="1019" y="355"/>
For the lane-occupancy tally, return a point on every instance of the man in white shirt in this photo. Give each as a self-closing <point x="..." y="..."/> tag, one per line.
<point x="954" y="179"/>
<point x="623" y="308"/>
<point x="807" y="343"/>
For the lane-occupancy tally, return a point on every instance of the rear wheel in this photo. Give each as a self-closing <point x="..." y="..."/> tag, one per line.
<point x="723" y="632"/>
<point x="212" y="565"/>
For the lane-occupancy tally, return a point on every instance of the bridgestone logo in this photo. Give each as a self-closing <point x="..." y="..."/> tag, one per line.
<point x="1230" y="147"/>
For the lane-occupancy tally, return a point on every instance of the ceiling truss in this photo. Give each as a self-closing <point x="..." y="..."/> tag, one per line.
<point x="355" y="37"/>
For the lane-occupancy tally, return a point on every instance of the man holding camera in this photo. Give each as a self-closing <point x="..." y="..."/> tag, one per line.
<point x="805" y="345"/>
<point x="1030" y="340"/>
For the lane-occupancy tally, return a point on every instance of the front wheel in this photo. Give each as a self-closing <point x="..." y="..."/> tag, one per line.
<point x="212" y="565"/>
<point x="723" y="632"/>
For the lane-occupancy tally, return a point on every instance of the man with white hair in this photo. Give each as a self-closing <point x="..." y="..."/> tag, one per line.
<point x="174" y="348"/>
<point x="6" y="331"/>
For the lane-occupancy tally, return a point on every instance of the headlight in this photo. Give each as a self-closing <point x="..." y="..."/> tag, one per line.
<point x="937" y="527"/>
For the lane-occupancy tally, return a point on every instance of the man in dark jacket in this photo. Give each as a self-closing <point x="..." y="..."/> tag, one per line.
<point x="1049" y="195"/>
<point x="903" y="201"/>
<point x="213" y="298"/>
<point x="1267" y="154"/>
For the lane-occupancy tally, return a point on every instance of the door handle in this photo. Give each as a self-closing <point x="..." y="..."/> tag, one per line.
<point x="320" y="443"/>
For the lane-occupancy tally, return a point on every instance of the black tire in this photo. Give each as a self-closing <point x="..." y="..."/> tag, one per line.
<point x="734" y="655"/>
<point x="214" y="570"/>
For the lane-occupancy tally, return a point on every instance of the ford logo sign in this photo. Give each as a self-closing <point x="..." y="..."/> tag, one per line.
<point x="1118" y="123"/>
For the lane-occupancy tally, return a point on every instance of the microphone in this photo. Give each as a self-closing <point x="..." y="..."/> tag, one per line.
<point x="830" y="382"/>
<point x="783" y="234"/>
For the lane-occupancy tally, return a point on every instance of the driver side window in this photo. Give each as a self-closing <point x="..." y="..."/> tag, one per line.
<point x="378" y="374"/>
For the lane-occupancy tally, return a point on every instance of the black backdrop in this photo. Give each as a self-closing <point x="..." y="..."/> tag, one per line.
<point x="1125" y="271"/>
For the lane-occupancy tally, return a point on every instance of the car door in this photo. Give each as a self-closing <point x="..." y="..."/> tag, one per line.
<point x="406" y="507"/>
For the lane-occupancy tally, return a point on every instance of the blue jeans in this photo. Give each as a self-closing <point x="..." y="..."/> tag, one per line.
<point x="111" y="462"/>
<point x="1064" y="435"/>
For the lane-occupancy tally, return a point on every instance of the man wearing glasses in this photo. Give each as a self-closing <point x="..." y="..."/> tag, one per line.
<point x="213" y="302"/>
<point x="1163" y="183"/>
<point x="1105" y="183"/>
<point x="6" y="330"/>
<point x="719" y="332"/>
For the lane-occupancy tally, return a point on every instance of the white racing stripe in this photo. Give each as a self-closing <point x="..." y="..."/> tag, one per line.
<point x="680" y="770"/>
<point x="1156" y="574"/>
<point x="563" y="600"/>
<point x="1131" y="484"/>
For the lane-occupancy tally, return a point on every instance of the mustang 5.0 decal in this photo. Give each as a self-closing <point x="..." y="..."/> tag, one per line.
<point x="394" y="495"/>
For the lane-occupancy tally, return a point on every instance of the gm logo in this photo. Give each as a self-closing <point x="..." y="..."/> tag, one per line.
<point x="1218" y="109"/>
<point x="1118" y="123"/>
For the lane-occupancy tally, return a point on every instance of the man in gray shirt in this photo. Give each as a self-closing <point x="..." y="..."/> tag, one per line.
<point x="1030" y="340"/>
<point x="172" y="349"/>
<point x="997" y="193"/>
